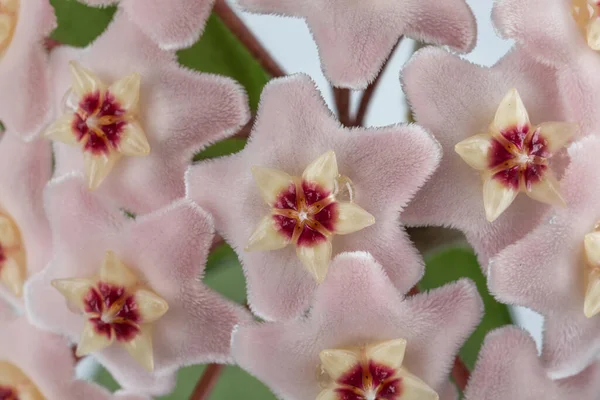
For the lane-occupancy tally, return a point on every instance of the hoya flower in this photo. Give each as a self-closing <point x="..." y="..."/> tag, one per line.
<point x="554" y="269"/>
<point x="173" y="24"/>
<point x="509" y="368"/>
<point x="25" y="240"/>
<point x="354" y="39"/>
<point x="23" y="65"/>
<point x="133" y="294"/>
<point x="134" y="122"/>
<point x="305" y="189"/>
<point x="37" y="365"/>
<point x="362" y="339"/>
<point x="501" y="130"/>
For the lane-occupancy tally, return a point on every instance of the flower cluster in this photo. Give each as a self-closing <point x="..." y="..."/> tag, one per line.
<point x="106" y="223"/>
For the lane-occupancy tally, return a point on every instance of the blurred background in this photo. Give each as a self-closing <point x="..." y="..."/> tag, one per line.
<point x="290" y="43"/>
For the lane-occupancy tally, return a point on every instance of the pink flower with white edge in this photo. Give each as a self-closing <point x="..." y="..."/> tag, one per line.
<point x="566" y="35"/>
<point x="134" y="299"/>
<point x="305" y="189"/>
<point x="362" y="339"/>
<point x="555" y="269"/>
<point x="24" y="24"/>
<point x="355" y="39"/>
<point x="509" y="368"/>
<point x="37" y="365"/>
<point x="172" y="24"/>
<point x="25" y="241"/>
<point x="133" y="124"/>
<point x="495" y="127"/>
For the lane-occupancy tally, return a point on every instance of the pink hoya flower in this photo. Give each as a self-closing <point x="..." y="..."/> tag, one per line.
<point x="25" y="240"/>
<point x="566" y="35"/>
<point x="172" y="24"/>
<point x="134" y="299"/>
<point x="355" y="39"/>
<point x="36" y="365"/>
<point x="502" y="133"/>
<point x="362" y="339"/>
<point x="555" y="269"/>
<point x="24" y="24"/>
<point x="134" y="123"/>
<point x="305" y="188"/>
<point x="509" y="368"/>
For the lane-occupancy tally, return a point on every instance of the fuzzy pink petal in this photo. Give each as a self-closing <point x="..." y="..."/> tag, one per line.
<point x="455" y="99"/>
<point x="545" y="270"/>
<point x="355" y="40"/>
<point x="46" y="359"/>
<point x="24" y="103"/>
<point x="25" y="168"/>
<point x="509" y="368"/>
<point x="99" y="3"/>
<point x="448" y="392"/>
<point x="357" y="305"/>
<point x="173" y="24"/>
<point x="546" y="28"/>
<point x="181" y="112"/>
<point x="294" y="127"/>
<point x="167" y="249"/>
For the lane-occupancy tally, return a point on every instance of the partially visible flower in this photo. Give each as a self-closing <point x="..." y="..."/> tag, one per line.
<point x="25" y="241"/>
<point x="172" y="24"/>
<point x="355" y="38"/>
<point x="36" y="365"/>
<point x="554" y="269"/>
<point x="358" y="176"/>
<point x="24" y="86"/>
<point x="134" y="299"/>
<point x="362" y="339"/>
<point x="509" y="368"/>
<point x="124" y="97"/>
<point x="459" y="101"/>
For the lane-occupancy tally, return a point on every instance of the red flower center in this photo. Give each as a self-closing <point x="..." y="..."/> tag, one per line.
<point x="113" y="312"/>
<point x="99" y="122"/>
<point x="306" y="213"/>
<point x="371" y="381"/>
<point x="7" y="393"/>
<point x="519" y="157"/>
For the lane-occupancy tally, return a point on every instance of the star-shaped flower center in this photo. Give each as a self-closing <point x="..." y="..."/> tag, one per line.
<point x="15" y="385"/>
<point x="372" y="372"/>
<point x="587" y="17"/>
<point x="116" y="307"/>
<point x="13" y="267"/>
<point x="102" y="120"/>
<point x="591" y="305"/>
<point x="9" y="10"/>
<point x="306" y="211"/>
<point x="514" y="156"/>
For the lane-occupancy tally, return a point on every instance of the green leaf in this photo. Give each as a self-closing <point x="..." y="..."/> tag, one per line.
<point x="79" y="25"/>
<point x="222" y="148"/>
<point x="454" y="263"/>
<point x="219" y="52"/>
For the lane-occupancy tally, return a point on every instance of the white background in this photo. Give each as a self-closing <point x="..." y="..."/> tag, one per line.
<point x="291" y="44"/>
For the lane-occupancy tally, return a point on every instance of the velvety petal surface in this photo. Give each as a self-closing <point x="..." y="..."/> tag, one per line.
<point x="166" y="249"/>
<point x="294" y="127"/>
<point x="455" y="99"/>
<point x="24" y="80"/>
<point x="545" y="270"/>
<point x="358" y="305"/>
<point x="354" y="40"/>
<point x="181" y="111"/>
<point x="46" y="359"/>
<point x="25" y="168"/>
<point x="509" y="368"/>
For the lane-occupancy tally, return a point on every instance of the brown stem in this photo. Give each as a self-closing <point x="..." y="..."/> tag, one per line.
<point x="207" y="382"/>
<point x="460" y="373"/>
<point x="245" y="130"/>
<point x="244" y="35"/>
<point x="367" y="95"/>
<point x="342" y="104"/>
